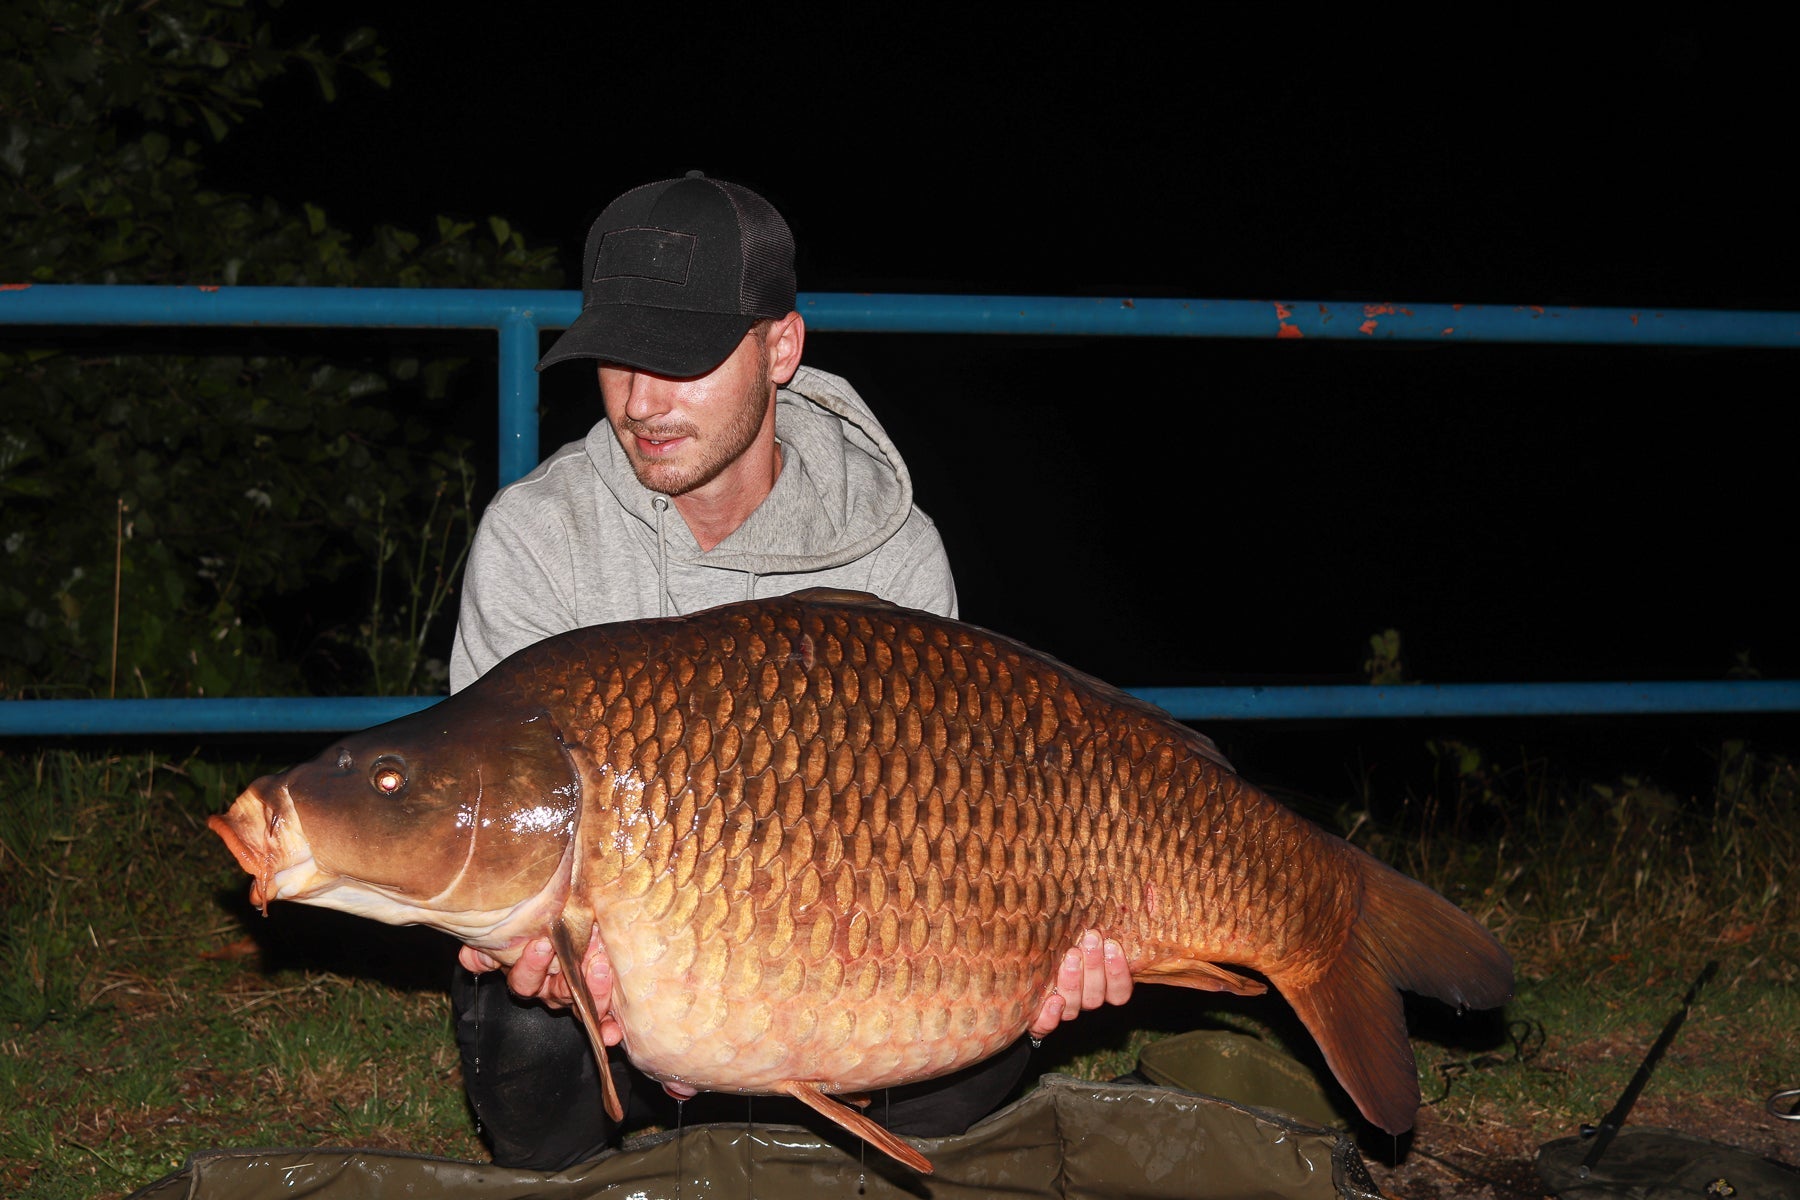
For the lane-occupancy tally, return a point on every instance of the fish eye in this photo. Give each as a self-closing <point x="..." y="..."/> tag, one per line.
<point x="345" y="762"/>
<point x="388" y="775"/>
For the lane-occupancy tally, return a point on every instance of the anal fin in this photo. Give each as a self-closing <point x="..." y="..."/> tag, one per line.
<point x="883" y="1140"/>
<point x="1200" y="975"/>
<point x="570" y="957"/>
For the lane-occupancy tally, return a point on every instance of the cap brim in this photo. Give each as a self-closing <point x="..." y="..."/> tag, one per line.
<point x="665" y="341"/>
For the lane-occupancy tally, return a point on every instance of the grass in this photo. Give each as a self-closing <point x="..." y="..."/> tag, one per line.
<point x="147" y="1012"/>
<point x="141" y="1017"/>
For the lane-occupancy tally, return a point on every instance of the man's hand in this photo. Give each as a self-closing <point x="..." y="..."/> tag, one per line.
<point x="538" y="976"/>
<point x="1092" y="974"/>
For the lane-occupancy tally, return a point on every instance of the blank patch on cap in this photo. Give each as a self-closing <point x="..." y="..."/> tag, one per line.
<point x="641" y="253"/>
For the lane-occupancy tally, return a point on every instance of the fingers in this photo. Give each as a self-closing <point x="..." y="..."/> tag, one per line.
<point x="537" y="975"/>
<point x="1093" y="973"/>
<point x="596" y="969"/>
<point x="1049" y="1016"/>
<point x="1117" y="972"/>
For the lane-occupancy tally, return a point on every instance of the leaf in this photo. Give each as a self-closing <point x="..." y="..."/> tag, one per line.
<point x="12" y="150"/>
<point x="327" y="87"/>
<point x="451" y="230"/>
<point x="215" y="123"/>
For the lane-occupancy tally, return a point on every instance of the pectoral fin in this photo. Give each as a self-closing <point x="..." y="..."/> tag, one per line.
<point x="570" y="957"/>
<point x="1205" y="976"/>
<point x="882" y="1139"/>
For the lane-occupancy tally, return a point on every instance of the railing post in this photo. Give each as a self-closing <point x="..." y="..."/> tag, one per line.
<point x="518" y="395"/>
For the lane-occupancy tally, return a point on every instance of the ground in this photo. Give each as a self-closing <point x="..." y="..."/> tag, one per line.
<point x="1470" y="1161"/>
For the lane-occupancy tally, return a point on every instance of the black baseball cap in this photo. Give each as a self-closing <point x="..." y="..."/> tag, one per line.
<point x="674" y="275"/>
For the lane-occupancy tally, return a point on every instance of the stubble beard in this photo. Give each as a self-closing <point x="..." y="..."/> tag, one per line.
<point x="674" y="479"/>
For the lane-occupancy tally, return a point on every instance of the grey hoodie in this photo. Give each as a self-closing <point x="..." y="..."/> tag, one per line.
<point x="580" y="541"/>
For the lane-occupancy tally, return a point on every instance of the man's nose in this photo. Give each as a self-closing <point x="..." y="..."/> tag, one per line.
<point x="649" y="396"/>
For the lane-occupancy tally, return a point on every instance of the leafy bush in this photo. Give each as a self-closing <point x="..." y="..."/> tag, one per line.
<point x="164" y="499"/>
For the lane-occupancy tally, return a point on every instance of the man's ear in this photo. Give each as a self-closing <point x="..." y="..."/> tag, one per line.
<point x="786" y="337"/>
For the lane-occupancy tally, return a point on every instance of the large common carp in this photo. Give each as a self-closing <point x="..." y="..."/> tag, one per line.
<point x="832" y="845"/>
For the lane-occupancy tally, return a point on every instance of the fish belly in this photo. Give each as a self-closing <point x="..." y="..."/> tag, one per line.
<point x="748" y="1015"/>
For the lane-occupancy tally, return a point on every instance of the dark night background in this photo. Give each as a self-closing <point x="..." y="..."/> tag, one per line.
<point x="1188" y="512"/>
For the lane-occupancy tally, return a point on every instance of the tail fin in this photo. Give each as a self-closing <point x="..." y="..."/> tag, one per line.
<point x="1405" y="936"/>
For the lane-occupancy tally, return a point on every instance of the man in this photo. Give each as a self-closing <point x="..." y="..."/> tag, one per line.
<point x="724" y="471"/>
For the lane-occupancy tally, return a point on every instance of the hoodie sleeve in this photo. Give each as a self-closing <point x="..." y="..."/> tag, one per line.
<point x="912" y="568"/>
<point x="514" y="593"/>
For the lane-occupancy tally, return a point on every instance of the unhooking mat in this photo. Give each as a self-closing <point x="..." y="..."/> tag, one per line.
<point x="1068" y="1138"/>
<point x="1647" y="1163"/>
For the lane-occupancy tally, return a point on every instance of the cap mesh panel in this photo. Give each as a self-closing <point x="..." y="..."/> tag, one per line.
<point x="768" y="285"/>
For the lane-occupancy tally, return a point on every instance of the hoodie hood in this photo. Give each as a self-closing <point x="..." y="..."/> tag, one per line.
<point x="843" y="488"/>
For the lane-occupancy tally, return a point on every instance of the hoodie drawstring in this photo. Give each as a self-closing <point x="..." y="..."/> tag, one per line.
<point x="665" y="600"/>
<point x="661" y="504"/>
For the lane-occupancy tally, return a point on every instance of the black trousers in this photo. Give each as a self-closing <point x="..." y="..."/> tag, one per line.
<point x="535" y="1088"/>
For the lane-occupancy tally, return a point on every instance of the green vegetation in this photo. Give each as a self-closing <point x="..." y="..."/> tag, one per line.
<point x="136" y="1023"/>
<point x="156" y="494"/>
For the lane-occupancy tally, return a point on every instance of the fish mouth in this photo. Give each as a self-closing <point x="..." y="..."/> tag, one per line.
<point x="263" y="833"/>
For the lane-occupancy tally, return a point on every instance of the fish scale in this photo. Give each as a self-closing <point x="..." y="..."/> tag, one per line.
<point x="832" y="845"/>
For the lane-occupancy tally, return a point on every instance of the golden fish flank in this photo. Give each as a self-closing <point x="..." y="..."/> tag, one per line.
<point x="811" y="901"/>
<point x="832" y="845"/>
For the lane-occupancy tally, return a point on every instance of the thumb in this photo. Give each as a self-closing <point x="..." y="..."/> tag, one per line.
<point x="475" y="961"/>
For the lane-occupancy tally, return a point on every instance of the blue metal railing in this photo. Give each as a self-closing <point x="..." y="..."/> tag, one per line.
<point x="519" y="316"/>
<point x="275" y="714"/>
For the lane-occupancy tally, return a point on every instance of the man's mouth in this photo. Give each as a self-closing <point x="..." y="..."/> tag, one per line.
<point x="653" y="443"/>
<point x="653" y="447"/>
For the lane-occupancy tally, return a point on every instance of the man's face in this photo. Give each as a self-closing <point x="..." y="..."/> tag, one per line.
<point x="681" y="434"/>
